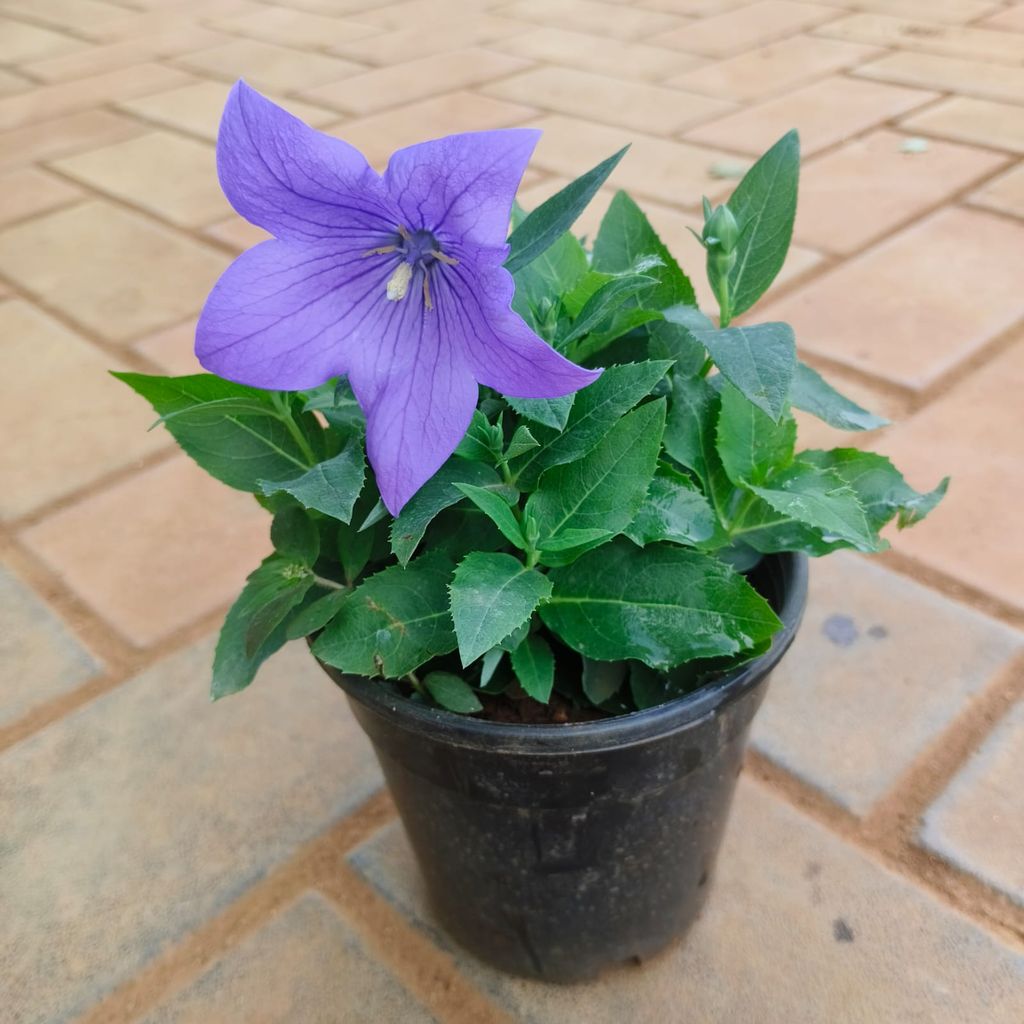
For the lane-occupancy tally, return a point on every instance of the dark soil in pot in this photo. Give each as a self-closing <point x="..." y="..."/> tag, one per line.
<point x="553" y="851"/>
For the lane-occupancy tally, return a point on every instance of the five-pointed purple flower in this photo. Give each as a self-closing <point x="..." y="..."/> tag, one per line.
<point x="394" y="280"/>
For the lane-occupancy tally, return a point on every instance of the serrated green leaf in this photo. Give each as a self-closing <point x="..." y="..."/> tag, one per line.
<point x="600" y="307"/>
<point x="497" y="509"/>
<point x="541" y="228"/>
<point x="662" y="605"/>
<point x="315" y="615"/>
<point x="812" y="393"/>
<point x="540" y="284"/>
<point x="452" y="693"/>
<point x="295" y="536"/>
<point x="549" y="412"/>
<point x="270" y="592"/>
<point x="492" y="594"/>
<point x="604" y="489"/>
<point x="476" y="445"/>
<point x="879" y="485"/>
<point x="534" y="666"/>
<point x="337" y="402"/>
<point x="757" y="360"/>
<point x="438" y="493"/>
<point x="331" y="486"/>
<point x="673" y="510"/>
<point x="392" y="622"/>
<point x="598" y="407"/>
<point x="241" y="449"/>
<point x="568" y="539"/>
<point x="522" y="442"/>
<point x="602" y="680"/>
<point x="750" y="444"/>
<point x="764" y="205"/>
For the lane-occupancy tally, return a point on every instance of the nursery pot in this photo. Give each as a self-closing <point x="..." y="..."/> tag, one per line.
<point x="553" y="851"/>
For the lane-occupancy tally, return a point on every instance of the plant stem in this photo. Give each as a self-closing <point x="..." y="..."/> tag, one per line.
<point x="330" y="584"/>
<point x="414" y="679"/>
<point x="293" y="428"/>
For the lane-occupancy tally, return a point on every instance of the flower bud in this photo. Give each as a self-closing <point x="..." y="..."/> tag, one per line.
<point x="721" y="231"/>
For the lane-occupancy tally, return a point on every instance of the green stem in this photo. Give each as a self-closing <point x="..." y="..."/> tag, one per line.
<point x="330" y="584"/>
<point x="292" y="427"/>
<point x="414" y="679"/>
<point x="724" y="310"/>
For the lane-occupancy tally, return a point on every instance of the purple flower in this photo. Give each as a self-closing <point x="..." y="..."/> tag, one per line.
<point x="394" y="280"/>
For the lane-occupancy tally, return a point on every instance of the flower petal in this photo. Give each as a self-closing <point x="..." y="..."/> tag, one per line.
<point x="461" y="186"/>
<point x="294" y="181"/>
<point x="418" y="397"/>
<point x="285" y="315"/>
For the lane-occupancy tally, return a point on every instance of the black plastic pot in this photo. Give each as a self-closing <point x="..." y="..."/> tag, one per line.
<point x="553" y="851"/>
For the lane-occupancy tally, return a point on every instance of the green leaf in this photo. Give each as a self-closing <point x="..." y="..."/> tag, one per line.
<point x="598" y="407"/>
<point x="534" y="666"/>
<point x="568" y="539"/>
<point x="337" y="402"/>
<point x="601" y="306"/>
<point x="758" y="360"/>
<point x="477" y="445"/>
<point x="764" y="205"/>
<point x="315" y="615"/>
<point x="662" y="605"/>
<point x="673" y="510"/>
<point x="812" y="393"/>
<point x="331" y="486"/>
<point x="879" y="485"/>
<point x="239" y="448"/>
<point x="438" y="493"/>
<point x="497" y="510"/>
<point x="602" y="679"/>
<point x="295" y="536"/>
<point x="489" y="664"/>
<point x="604" y="489"/>
<point x="690" y="437"/>
<point x="750" y="444"/>
<point x="270" y="592"/>
<point x="492" y="594"/>
<point x="452" y="693"/>
<point x="541" y="228"/>
<point x="392" y="622"/>
<point x="549" y="412"/>
<point x="540" y="284"/>
<point x="819" y="498"/>
<point x="522" y="442"/>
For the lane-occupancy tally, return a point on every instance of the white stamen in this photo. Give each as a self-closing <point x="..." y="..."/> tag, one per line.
<point x="398" y="285"/>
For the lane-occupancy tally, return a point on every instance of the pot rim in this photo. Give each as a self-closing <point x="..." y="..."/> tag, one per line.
<point x="619" y="731"/>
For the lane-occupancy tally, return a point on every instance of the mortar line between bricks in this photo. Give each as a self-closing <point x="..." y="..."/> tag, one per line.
<point x="960" y="892"/>
<point x="194" y="952"/>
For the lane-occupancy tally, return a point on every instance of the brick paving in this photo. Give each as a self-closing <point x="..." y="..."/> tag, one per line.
<point x="165" y="860"/>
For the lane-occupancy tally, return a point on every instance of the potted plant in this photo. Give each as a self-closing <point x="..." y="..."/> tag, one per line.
<point x="554" y="596"/>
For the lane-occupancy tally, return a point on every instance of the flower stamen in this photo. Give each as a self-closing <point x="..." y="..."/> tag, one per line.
<point x="381" y="250"/>
<point x="441" y="257"/>
<point x="398" y="283"/>
<point x="426" y="291"/>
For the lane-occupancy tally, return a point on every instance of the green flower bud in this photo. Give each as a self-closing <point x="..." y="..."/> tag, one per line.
<point x="721" y="231"/>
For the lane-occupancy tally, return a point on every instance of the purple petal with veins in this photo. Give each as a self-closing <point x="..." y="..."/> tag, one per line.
<point x="395" y="281"/>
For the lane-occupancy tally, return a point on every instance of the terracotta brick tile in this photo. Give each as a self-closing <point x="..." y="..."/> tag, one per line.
<point x="986" y="122"/>
<point x="1010" y="17"/>
<point x="63" y="135"/>
<point x="67" y="97"/>
<point x="825" y="113"/>
<point x="906" y="34"/>
<point x="11" y="84"/>
<point x="91" y="426"/>
<point x="783" y="885"/>
<point x="696" y="8"/>
<point x="268" y="67"/>
<point x="948" y="74"/>
<point x="745" y="28"/>
<point x="166" y="17"/>
<point x="172" y="349"/>
<point x="625" y="23"/>
<point x="978" y="823"/>
<point x="197" y="108"/>
<point x="833" y="716"/>
<point x="157" y="551"/>
<point x="599" y="54"/>
<point x="237" y="233"/>
<point x="416" y="80"/>
<point x="300" y="29"/>
<point x="80" y="16"/>
<point x="914" y="306"/>
<point x="332" y="8"/>
<point x="171" y="176"/>
<point x="150" y="810"/>
<point x="41" y="659"/>
<point x="870" y="187"/>
<point x="407" y="44"/>
<point x="26" y="192"/>
<point x="97" y="60"/>
<point x="673" y="172"/>
<point x="954" y="12"/>
<point x="303" y="965"/>
<point x="771" y="69"/>
<point x="21" y="42"/>
<point x="418" y="13"/>
<point x="973" y="434"/>
<point x="634" y="105"/>
<point x="1005" y="193"/>
<point x="111" y="270"/>
<point x="379" y="135"/>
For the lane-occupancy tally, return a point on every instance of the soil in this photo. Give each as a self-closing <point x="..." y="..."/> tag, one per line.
<point x="526" y="711"/>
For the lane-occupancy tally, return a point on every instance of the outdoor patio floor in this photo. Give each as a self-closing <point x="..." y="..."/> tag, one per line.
<point x="163" y="859"/>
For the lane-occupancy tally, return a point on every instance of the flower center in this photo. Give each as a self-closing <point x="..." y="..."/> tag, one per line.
<point x="418" y="250"/>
